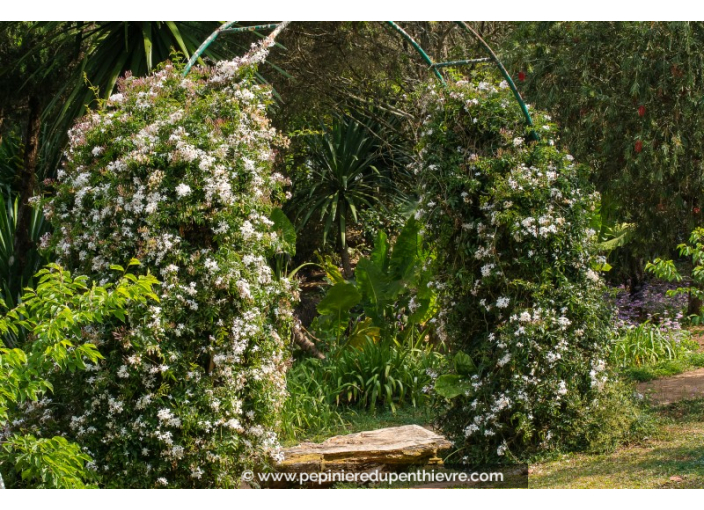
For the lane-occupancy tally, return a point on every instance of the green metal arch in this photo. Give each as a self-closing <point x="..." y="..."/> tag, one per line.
<point x="433" y="66"/>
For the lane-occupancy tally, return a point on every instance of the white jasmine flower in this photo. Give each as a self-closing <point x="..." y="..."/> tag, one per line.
<point x="592" y="275"/>
<point x="504" y="360"/>
<point x="486" y="269"/>
<point x="502" y="302"/>
<point x="183" y="190"/>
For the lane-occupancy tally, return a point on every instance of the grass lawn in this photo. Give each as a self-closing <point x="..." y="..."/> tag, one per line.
<point x="674" y="459"/>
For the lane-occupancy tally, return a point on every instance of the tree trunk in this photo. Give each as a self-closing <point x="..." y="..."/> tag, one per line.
<point x="28" y="185"/>
<point x="345" y="249"/>
<point x="694" y="305"/>
<point x="301" y="337"/>
<point x="636" y="276"/>
<point x="346" y="264"/>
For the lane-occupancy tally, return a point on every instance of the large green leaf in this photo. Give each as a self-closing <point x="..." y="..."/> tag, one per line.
<point x="380" y="253"/>
<point x="464" y="364"/>
<point x="378" y="290"/>
<point x="451" y="385"/>
<point x="404" y="257"/>
<point x="285" y="230"/>
<point x="619" y="236"/>
<point x="339" y="298"/>
<point x="363" y="331"/>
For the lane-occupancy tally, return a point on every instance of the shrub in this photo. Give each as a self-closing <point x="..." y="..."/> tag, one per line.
<point x="387" y="298"/>
<point x="177" y="172"/>
<point x="56" y="318"/>
<point x="516" y="267"/>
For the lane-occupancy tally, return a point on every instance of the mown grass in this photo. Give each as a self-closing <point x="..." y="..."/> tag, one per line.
<point x="673" y="458"/>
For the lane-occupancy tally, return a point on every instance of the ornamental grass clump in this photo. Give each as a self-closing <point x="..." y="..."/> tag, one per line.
<point x="517" y="271"/>
<point x="177" y="172"/>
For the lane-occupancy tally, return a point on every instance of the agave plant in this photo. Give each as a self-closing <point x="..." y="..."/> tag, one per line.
<point x="343" y="177"/>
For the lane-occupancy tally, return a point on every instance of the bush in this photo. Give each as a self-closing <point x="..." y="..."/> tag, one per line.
<point x="517" y="271"/>
<point x="56" y="318"/>
<point x="176" y="172"/>
<point x="388" y="296"/>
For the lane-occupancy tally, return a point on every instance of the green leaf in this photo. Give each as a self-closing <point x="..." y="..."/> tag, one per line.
<point x="404" y="256"/>
<point x="464" y="364"/>
<point x="285" y="230"/>
<point x="341" y="297"/>
<point x="451" y="385"/>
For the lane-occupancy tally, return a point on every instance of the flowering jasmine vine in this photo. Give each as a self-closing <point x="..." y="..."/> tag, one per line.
<point x="510" y="218"/>
<point x="177" y="173"/>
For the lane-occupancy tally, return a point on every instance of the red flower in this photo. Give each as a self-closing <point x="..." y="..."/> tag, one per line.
<point x="641" y="110"/>
<point x="639" y="146"/>
<point x="521" y="76"/>
<point x="696" y="210"/>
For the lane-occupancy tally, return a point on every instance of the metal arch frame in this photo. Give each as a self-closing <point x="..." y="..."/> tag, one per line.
<point x="226" y="28"/>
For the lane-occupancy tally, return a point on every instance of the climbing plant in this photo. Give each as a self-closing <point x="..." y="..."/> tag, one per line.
<point x="522" y="302"/>
<point x="54" y="316"/>
<point x="177" y="172"/>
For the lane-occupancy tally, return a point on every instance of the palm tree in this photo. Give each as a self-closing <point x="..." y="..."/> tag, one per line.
<point x="343" y="177"/>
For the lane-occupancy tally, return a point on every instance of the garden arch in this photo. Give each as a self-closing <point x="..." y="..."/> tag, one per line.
<point x="229" y="28"/>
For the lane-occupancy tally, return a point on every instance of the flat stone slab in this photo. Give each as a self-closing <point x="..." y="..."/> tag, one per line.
<point x="388" y="449"/>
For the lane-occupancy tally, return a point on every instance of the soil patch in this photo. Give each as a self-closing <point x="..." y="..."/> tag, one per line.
<point x="688" y="385"/>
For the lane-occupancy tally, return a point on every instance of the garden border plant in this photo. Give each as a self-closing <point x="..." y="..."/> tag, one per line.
<point x="177" y="172"/>
<point x="522" y="300"/>
<point x="54" y="317"/>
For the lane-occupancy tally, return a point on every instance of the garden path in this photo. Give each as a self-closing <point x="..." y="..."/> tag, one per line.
<point x="667" y="390"/>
